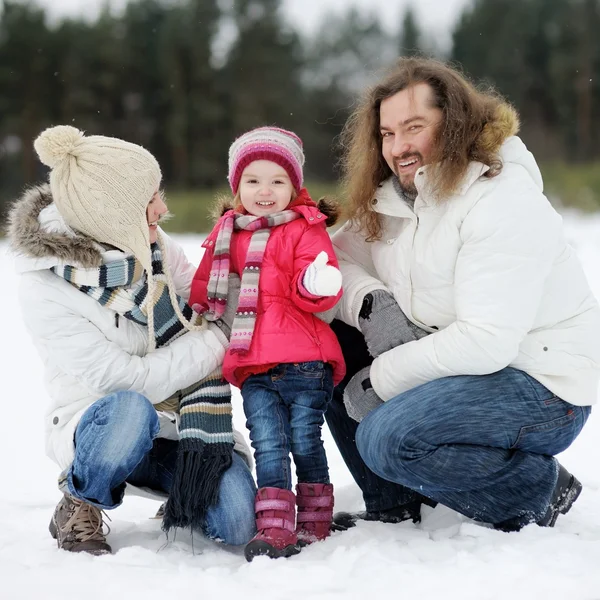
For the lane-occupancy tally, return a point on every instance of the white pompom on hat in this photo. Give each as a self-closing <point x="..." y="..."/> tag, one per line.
<point x="102" y="186"/>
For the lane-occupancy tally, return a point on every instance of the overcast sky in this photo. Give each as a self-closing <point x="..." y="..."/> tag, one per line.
<point x="435" y="16"/>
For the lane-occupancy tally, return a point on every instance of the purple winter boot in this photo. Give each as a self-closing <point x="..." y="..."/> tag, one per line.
<point x="275" y="520"/>
<point x="315" y="511"/>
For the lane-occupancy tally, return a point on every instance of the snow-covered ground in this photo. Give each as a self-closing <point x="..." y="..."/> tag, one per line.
<point x="441" y="558"/>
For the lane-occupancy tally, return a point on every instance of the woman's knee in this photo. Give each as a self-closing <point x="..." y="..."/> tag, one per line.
<point x="127" y="413"/>
<point x="232" y="519"/>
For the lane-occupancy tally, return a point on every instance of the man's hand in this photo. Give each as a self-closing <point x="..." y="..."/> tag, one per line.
<point x="384" y="325"/>
<point x="360" y="397"/>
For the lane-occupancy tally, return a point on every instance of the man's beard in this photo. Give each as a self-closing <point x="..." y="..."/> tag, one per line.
<point x="410" y="190"/>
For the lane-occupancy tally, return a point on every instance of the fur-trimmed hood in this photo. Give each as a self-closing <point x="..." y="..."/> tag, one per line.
<point x="329" y="207"/>
<point x="499" y="136"/>
<point x="41" y="239"/>
<point x="504" y="125"/>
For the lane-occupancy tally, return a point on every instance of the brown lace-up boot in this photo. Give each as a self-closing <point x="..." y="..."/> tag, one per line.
<point x="78" y="527"/>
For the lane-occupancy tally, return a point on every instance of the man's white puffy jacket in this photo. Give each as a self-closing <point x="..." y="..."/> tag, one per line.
<point x="489" y="272"/>
<point x="87" y="351"/>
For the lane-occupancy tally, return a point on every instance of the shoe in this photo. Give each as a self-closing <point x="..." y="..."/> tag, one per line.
<point x="565" y="493"/>
<point x="342" y="521"/>
<point x="160" y="513"/>
<point x="78" y="527"/>
<point x="315" y="512"/>
<point x="276" y="524"/>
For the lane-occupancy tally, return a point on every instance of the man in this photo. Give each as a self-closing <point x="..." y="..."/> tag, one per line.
<point x="468" y="327"/>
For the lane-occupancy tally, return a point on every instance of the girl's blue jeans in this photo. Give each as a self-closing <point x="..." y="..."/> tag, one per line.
<point x="285" y="410"/>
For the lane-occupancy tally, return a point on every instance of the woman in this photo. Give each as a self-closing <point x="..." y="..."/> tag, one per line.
<point x="130" y="368"/>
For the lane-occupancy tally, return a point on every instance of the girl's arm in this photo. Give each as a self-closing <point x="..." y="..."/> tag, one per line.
<point x="314" y="240"/>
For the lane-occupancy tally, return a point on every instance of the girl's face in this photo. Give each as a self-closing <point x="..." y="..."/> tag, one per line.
<point x="155" y="211"/>
<point x="265" y="188"/>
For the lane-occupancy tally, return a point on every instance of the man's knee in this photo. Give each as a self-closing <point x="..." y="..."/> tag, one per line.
<point x="383" y="437"/>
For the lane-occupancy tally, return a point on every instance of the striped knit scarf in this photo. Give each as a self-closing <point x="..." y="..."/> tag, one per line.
<point x="245" y="318"/>
<point x="205" y="428"/>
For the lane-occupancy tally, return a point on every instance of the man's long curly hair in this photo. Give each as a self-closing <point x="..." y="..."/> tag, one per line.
<point x="466" y="133"/>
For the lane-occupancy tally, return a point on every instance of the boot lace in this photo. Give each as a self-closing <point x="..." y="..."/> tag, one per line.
<point x="86" y="522"/>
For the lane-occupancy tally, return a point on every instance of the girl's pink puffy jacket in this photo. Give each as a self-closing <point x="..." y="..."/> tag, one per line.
<point x="286" y="331"/>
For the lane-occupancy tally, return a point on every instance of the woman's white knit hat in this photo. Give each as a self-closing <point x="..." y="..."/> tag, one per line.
<point x="102" y="186"/>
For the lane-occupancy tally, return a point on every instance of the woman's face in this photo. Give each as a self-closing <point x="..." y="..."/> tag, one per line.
<point x="156" y="209"/>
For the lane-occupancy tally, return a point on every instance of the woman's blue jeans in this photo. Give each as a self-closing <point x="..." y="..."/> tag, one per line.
<point x="115" y="443"/>
<point x="480" y="444"/>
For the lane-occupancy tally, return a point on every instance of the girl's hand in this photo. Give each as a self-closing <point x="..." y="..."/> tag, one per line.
<point x="321" y="279"/>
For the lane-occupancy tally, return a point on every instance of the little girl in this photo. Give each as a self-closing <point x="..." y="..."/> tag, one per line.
<point x="285" y="360"/>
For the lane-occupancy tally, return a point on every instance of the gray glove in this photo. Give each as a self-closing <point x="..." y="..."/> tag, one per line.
<point x="233" y="297"/>
<point x="360" y="397"/>
<point x="384" y="325"/>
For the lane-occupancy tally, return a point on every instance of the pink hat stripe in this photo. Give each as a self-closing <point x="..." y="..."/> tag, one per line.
<point x="267" y="143"/>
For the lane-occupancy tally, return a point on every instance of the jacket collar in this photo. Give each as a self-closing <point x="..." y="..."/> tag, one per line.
<point x="41" y="239"/>
<point x="387" y="201"/>
<point x="474" y="171"/>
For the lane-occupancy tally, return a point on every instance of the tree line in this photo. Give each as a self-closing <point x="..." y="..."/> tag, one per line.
<point x="185" y="77"/>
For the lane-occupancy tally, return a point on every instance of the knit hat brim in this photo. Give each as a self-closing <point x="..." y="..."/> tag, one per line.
<point x="267" y="143"/>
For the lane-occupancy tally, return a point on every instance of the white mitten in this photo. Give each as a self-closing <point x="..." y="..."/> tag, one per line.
<point x="321" y="279"/>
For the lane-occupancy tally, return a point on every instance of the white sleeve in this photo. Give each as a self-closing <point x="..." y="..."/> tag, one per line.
<point x="82" y="351"/>
<point x="509" y="244"/>
<point x="181" y="269"/>
<point x="359" y="276"/>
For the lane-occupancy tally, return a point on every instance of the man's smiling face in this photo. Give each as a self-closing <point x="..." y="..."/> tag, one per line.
<point x="408" y="123"/>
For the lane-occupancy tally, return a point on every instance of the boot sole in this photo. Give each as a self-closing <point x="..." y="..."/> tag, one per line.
<point x="52" y="529"/>
<point x="262" y="548"/>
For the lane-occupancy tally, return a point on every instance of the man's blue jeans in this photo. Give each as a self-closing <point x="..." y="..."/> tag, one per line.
<point x="482" y="445"/>
<point x="284" y="413"/>
<point x="378" y="493"/>
<point x="115" y="443"/>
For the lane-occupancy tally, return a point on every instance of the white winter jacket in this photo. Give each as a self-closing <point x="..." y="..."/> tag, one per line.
<point x="489" y="272"/>
<point x="87" y="350"/>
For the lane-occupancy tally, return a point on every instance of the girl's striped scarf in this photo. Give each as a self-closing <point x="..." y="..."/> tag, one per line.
<point x="245" y="318"/>
<point x="205" y="428"/>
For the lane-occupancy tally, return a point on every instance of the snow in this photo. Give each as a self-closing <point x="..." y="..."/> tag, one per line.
<point x="444" y="557"/>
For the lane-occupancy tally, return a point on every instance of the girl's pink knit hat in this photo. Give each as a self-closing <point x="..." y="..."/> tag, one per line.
<point x="266" y="143"/>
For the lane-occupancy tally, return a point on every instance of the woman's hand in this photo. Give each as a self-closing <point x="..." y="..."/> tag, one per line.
<point x="225" y="322"/>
